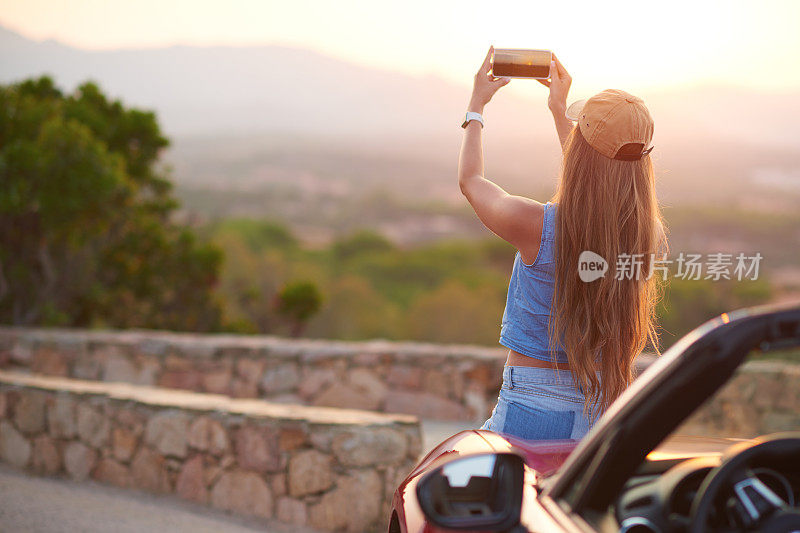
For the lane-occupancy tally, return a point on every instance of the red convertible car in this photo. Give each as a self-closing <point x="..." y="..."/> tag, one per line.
<point x="631" y="472"/>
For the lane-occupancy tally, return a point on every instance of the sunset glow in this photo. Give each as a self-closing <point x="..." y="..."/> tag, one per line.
<point x="635" y="44"/>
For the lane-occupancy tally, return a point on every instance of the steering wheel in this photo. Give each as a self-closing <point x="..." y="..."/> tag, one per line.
<point x="758" y="507"/>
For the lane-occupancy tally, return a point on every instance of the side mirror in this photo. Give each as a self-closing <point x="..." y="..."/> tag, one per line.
<point x="479" y="492"/>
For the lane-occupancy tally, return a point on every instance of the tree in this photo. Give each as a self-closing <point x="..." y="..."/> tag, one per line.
<point x="258" y="235"/>
<point x="86" y="236"/>
<point x="360" y="243"/>
<point x="297" y="302"/>
<point x="452" y="313"/>
<point x="354" y="310"/>
<point x="249" y="282"/>
<point x="687" y="303"/>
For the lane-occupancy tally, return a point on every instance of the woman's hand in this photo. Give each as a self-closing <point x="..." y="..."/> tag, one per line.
<point x="559" y="84"/>
<point x="485" y="85"/>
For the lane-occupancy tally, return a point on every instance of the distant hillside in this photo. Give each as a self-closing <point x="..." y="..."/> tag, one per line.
<point x="710" y="142"/>
<point x="213" y="90"/>
<point x="263" y="89"/>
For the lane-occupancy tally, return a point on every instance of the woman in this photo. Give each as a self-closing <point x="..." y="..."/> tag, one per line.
<point x="605" y="204"/>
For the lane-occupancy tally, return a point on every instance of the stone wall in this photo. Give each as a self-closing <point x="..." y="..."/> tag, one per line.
<point x="763" y="397"/>
<point x="331" y="469"/>
<point x="447" y="382"/>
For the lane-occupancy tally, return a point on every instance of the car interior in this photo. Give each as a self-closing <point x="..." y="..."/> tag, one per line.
<point x="663" y="502"/>
<point x="740" y="489"/>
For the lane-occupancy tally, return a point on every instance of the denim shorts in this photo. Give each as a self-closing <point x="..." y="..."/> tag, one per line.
<point x="539" y="404"/>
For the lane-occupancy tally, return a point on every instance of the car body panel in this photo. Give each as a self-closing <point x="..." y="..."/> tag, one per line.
<point x="542" y="458"/>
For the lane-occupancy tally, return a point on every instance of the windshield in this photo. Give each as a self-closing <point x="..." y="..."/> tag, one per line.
<point x="762" y="397"/>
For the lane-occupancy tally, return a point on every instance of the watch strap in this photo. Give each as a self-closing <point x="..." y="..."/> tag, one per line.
<point x="472" y="115"/>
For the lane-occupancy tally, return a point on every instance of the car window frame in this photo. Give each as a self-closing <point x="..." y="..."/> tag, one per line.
<point x="668" y="392"/>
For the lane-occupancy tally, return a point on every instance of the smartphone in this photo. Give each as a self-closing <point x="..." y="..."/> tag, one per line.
<point x="517" y="63"/>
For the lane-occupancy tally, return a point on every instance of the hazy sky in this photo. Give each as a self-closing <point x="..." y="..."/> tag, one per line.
<point x="629" y="44"/>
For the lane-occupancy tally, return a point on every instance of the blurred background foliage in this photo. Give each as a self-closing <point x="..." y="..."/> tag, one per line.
<point x="85" y="218"/>
<point x="89" y="238"/>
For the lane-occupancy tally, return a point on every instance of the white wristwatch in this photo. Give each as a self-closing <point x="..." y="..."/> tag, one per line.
<point x="472" y="115"/>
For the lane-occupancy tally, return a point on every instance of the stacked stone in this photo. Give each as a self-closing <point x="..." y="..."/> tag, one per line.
<point x="445" y="382"/>
<point x="330" y="469"/>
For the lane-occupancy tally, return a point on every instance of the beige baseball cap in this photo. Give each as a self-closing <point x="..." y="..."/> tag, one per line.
<point x="615" y="123"/>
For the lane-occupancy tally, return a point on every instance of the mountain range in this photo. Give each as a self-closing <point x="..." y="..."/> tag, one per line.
<point x="707" y="138"/>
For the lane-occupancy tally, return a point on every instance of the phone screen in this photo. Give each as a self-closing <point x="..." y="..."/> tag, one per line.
<point x="521" y="63"/>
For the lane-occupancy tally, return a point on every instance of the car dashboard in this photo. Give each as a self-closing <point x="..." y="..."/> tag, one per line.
<point x="662" y="502"/>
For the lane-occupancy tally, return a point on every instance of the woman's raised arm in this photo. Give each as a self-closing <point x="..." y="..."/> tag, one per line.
<point x="512" y="218"/>
<point x="559" y="84"/>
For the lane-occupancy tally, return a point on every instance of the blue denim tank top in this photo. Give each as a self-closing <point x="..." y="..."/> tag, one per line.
<point x="524" y="327"/>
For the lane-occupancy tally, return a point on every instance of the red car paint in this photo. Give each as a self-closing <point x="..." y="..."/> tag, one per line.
<point x="541" y="457"/>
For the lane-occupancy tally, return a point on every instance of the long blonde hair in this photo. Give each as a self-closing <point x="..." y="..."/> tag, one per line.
<point x="609" y="207"/>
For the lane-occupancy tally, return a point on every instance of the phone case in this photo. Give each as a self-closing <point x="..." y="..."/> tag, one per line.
<point x="521" y="63"/>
